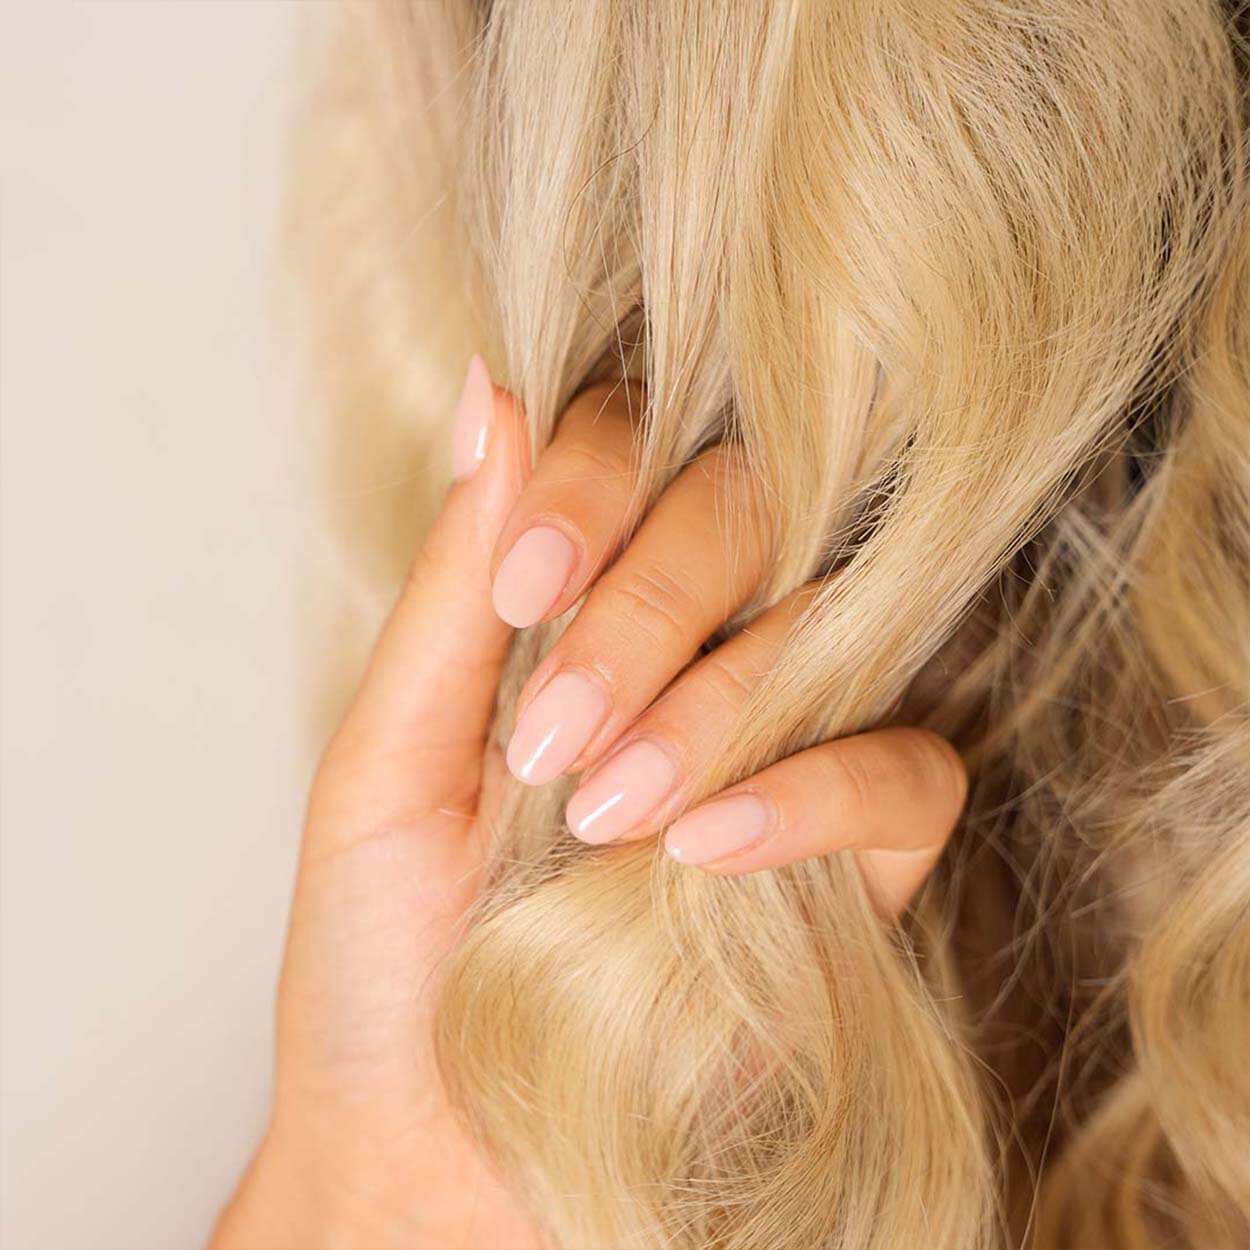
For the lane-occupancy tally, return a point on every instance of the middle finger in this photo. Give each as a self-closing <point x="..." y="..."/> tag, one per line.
<point x="697" y="558"/>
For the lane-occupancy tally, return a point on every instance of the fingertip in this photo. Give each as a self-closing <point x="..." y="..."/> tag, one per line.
<point x="489" y="428"/>
<point x="489" y="455"/>
<point x="474" y="419"/>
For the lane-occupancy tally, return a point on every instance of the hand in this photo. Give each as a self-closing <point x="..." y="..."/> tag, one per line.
<point x="363" y="1147"/>
<point x="615" y="696"/>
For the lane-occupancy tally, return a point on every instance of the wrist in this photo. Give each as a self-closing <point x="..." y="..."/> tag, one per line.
<point x="273" y="1208"/>
<point x="296" y="1196"/>
<point x="291" y="1199"/>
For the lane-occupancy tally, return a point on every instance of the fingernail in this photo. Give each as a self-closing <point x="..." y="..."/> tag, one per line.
<point x="715" y="830"/>
<point x="621" y="793"/>
<point x="554" y="730"/>
<point x="474" y="411"/>
<point x="532" y="575"/>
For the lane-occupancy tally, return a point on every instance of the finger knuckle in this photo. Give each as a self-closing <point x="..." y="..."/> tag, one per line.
<point x="932" y="771"/>
<point x="656" y="603"/>
<point x="852" y="778"/>
<point x="725" y="682"/>
<point x="590" y="462"/>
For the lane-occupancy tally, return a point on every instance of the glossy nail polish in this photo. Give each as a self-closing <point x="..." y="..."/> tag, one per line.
<point x="555" y="728"/>
<point x="533" y="575"/>
<point x="474" y="412"/>
<point x="622" y="792"/>
<point x="718" y="829"/>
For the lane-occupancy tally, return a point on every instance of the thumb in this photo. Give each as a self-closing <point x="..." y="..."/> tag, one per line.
<point x="415" y="734"/>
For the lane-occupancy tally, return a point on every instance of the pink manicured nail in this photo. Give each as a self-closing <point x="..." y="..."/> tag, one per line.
<point x="629" y="786"/>
<point x="715" y="830"/>
<point x="555" y="728"/>
<point x="474" y="411"/>
<point x="532" y="575"/>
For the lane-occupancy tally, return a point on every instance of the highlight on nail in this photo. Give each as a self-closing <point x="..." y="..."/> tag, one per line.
<point x="556" y="727"/>
<point x="622" y="792"/>
<point x="475" y="412"/>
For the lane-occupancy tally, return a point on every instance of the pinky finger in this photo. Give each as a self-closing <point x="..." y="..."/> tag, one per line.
<point x="893" y="796"/>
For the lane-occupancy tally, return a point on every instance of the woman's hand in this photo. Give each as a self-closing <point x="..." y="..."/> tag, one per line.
<point x="363" y="1147"/>
<point x="615" y="696"/>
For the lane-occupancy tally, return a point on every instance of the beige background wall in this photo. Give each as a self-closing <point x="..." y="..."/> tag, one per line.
<point x="155" y="529"/>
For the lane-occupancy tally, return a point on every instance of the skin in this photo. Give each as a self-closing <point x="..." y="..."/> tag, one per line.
<point x="363" y="1147"/>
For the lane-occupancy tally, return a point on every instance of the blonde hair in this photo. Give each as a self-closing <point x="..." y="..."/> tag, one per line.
<point x="968" y="286"/>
